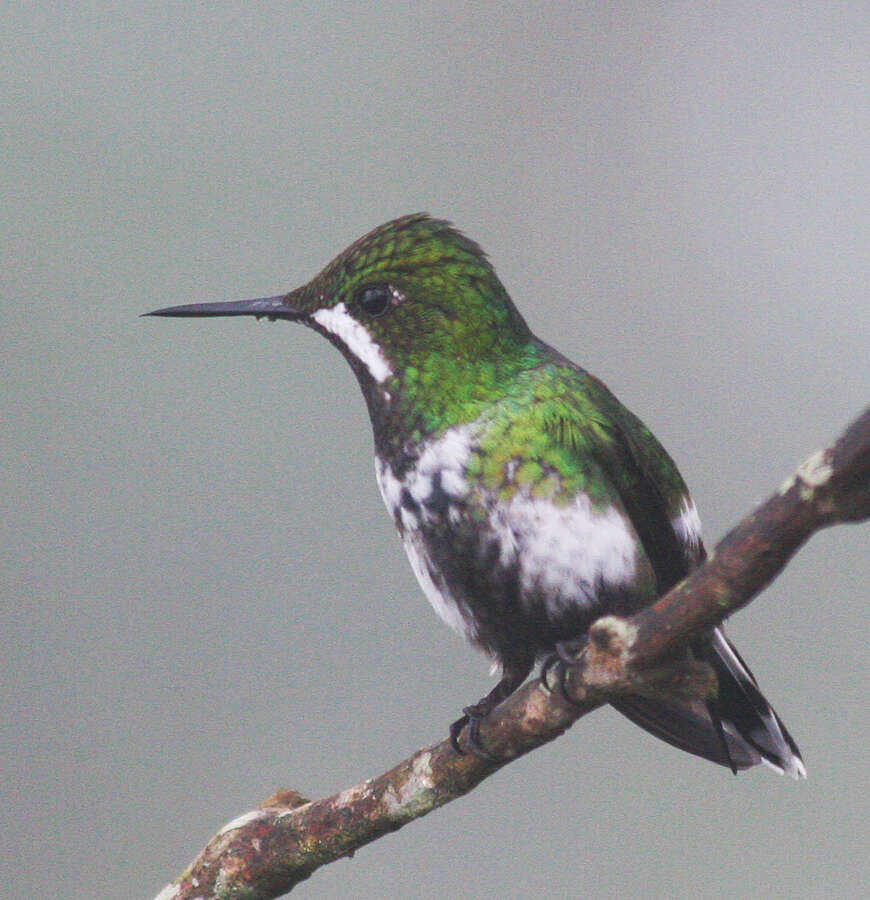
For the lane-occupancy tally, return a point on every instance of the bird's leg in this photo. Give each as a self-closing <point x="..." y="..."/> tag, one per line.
<point x="513" y="675"/>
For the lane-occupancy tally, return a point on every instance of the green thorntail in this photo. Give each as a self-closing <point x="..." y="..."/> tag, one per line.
<point x="530" y="501"/>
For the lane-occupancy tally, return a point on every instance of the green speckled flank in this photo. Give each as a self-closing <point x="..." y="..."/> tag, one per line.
<point x="558" y="431"/>
<point x="544" y="439"/>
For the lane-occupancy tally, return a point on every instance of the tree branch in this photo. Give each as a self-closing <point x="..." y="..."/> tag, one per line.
<point x="266" y="852"/>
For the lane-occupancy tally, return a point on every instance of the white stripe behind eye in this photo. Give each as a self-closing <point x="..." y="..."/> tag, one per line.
<point x="338" y="321"/>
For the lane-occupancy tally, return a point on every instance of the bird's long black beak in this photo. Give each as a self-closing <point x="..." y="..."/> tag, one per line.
<point x="272" y="307"/>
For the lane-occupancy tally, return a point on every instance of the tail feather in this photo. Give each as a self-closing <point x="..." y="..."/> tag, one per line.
<point x="688" y="727"/>
<point x="742" y="703"/>
<point x="739" y="729"/>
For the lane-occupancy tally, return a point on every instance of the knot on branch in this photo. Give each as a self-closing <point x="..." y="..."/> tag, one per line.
<point x="607" y="655"/>
<point x="608" y="667"/>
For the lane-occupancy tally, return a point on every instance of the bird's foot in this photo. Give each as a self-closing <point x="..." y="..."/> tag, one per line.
<point x="472" y="716"/>
<point x="514" y="673"/>
<point x="565" y="655"/>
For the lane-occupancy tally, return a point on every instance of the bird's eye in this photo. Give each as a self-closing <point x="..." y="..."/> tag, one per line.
<point x="374" y="300"/>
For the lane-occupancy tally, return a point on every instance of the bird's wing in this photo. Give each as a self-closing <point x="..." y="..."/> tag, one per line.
<point x="738" y="728"/>
<point x="597" y="429"/>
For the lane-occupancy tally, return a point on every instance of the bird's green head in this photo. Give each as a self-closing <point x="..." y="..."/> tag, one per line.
<point x="417" y="310"/>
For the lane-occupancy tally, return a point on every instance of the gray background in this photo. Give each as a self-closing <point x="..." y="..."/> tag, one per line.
<point x="202" y="596"/>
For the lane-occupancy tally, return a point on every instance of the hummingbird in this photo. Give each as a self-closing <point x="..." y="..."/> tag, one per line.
<point x="529" y="500"/>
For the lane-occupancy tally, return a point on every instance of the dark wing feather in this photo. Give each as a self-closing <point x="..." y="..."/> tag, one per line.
<point x="739" y="728"/>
